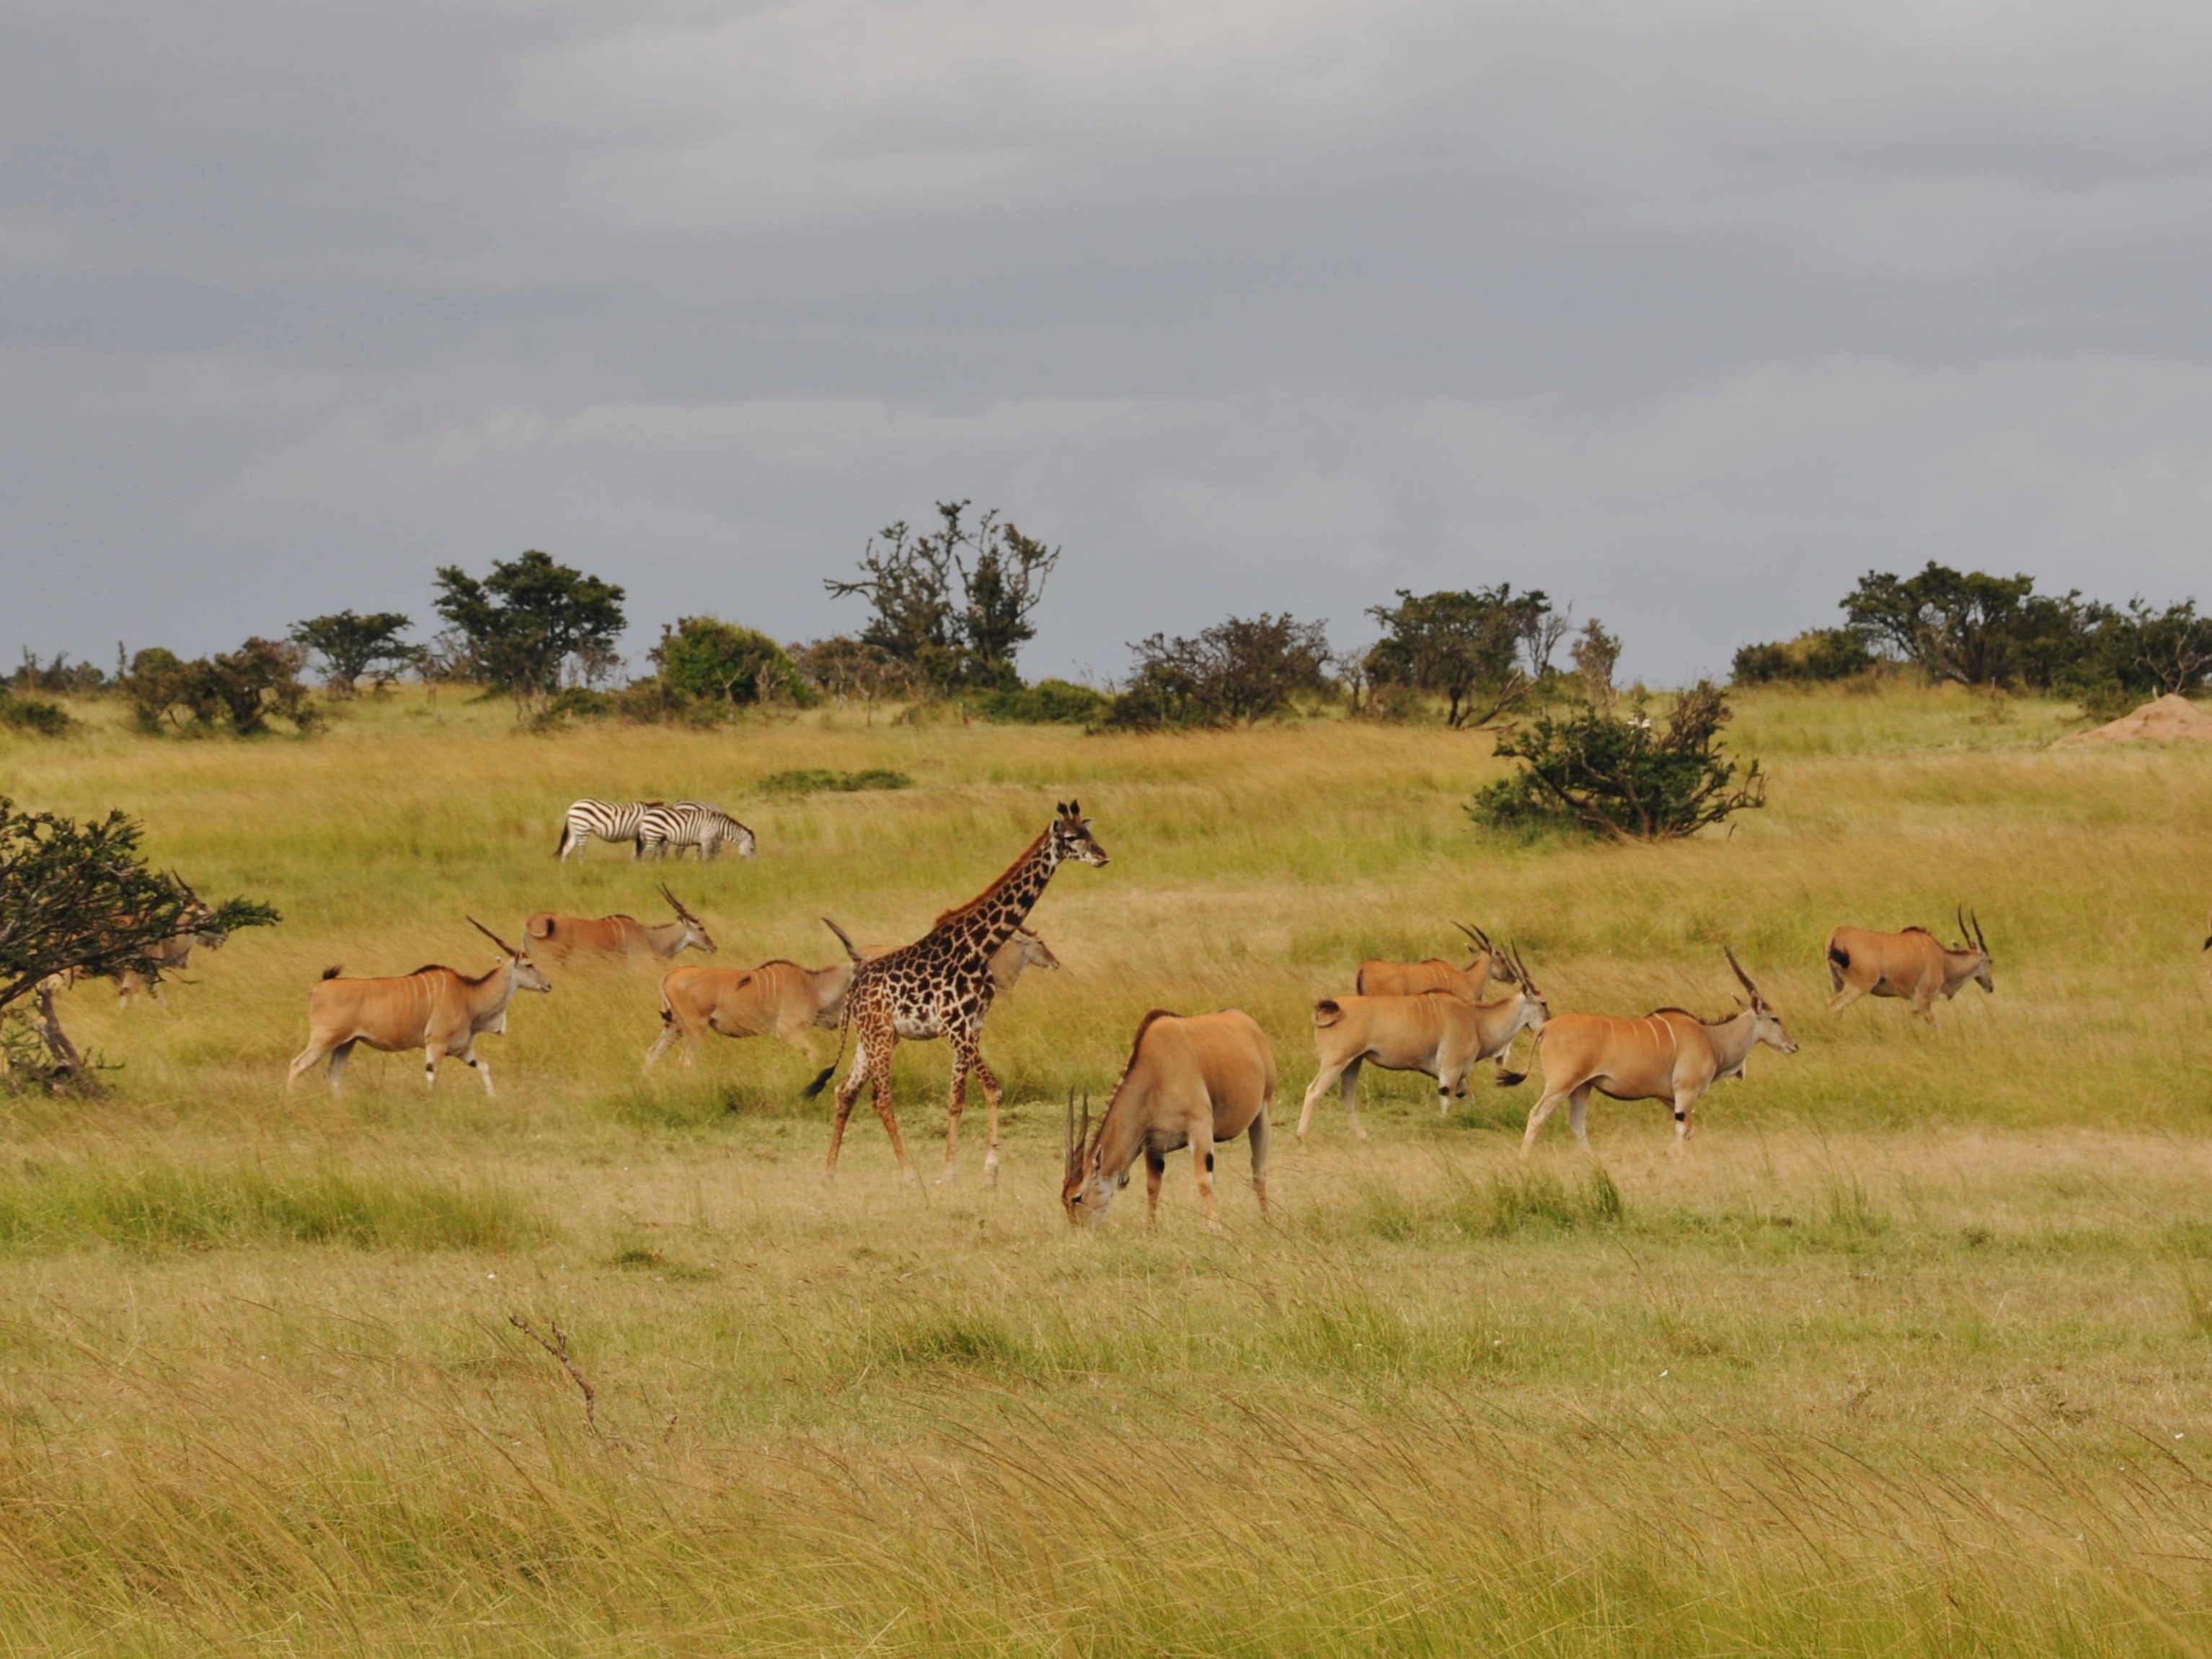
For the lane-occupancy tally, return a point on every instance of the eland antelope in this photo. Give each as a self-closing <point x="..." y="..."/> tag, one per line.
<point x="560" y="937"/>
<point x="1193" y="1080"/>
<point x="174" y="952"/>
<point x="1913" y="964"/>
<point x="1437" y="1032"/>
<point x="1668" y="1054"/>
<point x="1378" y="978"/>
<point x="435" y="1009"/>
<point x="778" y="999"/>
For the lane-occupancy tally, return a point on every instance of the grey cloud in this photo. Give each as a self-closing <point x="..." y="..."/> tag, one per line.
<point x="1687" y="315"/>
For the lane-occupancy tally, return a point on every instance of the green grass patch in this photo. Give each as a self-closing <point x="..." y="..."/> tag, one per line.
<point x="70" y="1206"/>
<point x="1513" y="1202"/>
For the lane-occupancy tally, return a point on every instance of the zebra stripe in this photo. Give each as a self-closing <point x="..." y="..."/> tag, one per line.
<point x="692" y="824"/>
<point x="610" y="820"/>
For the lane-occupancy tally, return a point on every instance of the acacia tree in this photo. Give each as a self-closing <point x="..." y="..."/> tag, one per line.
<point x="971" y="640"/>
<point x="351" y="646"/>
<point x="1464" y="647"/>
<point x="530" y="621"/>
<point x="1966" y="627"/>
<point x="80" y="898"/>
<point x="1238" y="672"/>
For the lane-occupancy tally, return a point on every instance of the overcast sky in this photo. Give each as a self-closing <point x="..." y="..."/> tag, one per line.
<point x="1686" y="314"/>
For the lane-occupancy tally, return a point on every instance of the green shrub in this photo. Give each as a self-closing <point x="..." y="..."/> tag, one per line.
<point x="814" y="782"/>
<point x="1595" y="771"/>
<point x="1238" y="672"/>
<point x="1820" y="654"/>
<point x="48" y="720"/>
<point x="573" y="702"/>
<point x="1048" y="702"/>
<point x="240" y="690"/>
<point x="719" y="663"/>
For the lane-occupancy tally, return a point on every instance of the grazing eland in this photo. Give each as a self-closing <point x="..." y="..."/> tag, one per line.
<point x="1913" y="964"/>
<point x="434" y="1008"/>
<point x="1194" y="1080"/>
<point x="1437" y="1032"/>
<point x="1670" y="1054"/>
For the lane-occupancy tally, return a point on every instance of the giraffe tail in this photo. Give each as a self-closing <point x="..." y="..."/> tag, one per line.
<point x="822" y="1078"/>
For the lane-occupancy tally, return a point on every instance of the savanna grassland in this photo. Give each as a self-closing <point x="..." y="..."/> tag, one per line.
<point x="1911" y="1353"/>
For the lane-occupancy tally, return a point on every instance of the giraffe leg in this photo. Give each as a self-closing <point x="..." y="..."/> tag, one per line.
<point x="955" y="1101"/>
<point x="848" y="1091"/>
<point x="992" y="1095"/>
<point x="880" y="1096"/>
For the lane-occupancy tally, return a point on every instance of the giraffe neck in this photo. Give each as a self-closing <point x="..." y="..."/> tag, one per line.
<point x="987" y="921"/>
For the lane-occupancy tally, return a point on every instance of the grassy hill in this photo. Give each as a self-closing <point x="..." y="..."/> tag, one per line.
<point x="1907" y="1353"/>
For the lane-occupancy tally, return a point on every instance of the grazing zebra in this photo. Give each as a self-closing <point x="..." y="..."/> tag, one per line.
<point x="610" y="820"/>
<point x="692" y="824"/>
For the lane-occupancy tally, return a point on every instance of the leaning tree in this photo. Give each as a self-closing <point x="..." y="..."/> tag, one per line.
<point x="78" y="899"/>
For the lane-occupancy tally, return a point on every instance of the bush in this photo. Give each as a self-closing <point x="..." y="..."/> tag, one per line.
<point x="240" y="690"/>
<point x="1237" y="672"/>
<point x="573" y="702"/>
<point x="1820" y="654"/>
<point x="712" y="662"/>
<point x="1048" y="702"/>
<point x="812" y="782"/>
<point x="48" y="720"/>
<point x="1595" y="771"/>
<point x="74" y="679"/>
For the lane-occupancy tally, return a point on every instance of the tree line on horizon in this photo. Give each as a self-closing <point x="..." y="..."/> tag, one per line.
<point x="950" y="609"/>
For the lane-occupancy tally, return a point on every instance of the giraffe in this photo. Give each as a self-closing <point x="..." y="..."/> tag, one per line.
<point x="940" y="986"/>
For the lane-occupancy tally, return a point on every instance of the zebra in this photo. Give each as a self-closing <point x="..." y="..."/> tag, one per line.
<point x="692" y="824"/>
<point x="610" y="820"/>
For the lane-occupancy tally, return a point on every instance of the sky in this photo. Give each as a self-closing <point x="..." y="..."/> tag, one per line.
<point x="1686" y="314"/>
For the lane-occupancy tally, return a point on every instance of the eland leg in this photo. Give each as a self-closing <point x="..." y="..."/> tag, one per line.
<point x="1578" y="1114"/>
<point x="1156" y="1165"/>
<point x="339" y="1056"/>
<point x="1315" y="1090"/>
<point x="1257" y="1134"/>
<point x="1201" y="1164"/>
<point x="1685" y="1103"/>
<point x="467" y="1054"/>
<point x="308" y="1055"/>
<point x="1541" y="1110"/>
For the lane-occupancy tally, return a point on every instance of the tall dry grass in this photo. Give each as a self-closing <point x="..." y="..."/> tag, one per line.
<point x="1908" y="1355"/>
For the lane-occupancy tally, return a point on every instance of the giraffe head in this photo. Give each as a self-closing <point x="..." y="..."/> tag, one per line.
<point x="1071" y="837"/>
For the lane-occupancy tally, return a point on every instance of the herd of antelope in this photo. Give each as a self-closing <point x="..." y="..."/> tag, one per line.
<point x="1190" y="1081"/>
